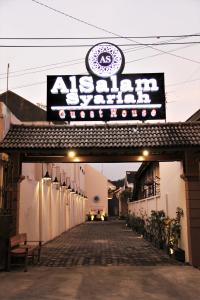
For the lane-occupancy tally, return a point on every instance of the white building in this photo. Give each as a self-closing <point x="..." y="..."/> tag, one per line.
<point x="97" y="191"/>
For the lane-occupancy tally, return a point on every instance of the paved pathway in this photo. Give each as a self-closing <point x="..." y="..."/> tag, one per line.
<point x="102" y="244"/>
<point x="102" y="283"/>
<point x="102" y="261"/>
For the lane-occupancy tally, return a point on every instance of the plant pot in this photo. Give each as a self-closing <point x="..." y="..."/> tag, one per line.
<point x="179" y="255"/>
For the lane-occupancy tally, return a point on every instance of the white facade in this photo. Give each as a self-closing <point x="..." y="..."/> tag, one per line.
<point x="47" y="209"/>
<point x="172" y="195"/>
<point x="97" y="191"/>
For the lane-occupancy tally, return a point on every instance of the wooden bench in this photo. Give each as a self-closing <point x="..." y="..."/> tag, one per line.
<point x="22" y="250"/>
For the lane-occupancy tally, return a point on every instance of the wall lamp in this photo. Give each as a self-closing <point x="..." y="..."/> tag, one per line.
<point x="47" y="176"/>
<point x="56" y="181"/>
<point x="72" y="191"/>
<point x="69" y="188"/>
<point x="56" y="175"/>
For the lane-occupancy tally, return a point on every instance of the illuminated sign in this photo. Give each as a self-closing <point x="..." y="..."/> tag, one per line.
<point x="105" y="60"/>
<point x="118" y="97"/>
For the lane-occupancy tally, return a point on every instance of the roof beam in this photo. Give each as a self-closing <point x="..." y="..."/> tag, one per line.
<point x="102" y="158"/>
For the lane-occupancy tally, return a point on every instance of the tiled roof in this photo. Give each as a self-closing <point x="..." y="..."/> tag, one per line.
<point x="102" y="136"/>
<point x="23" y="109"/>
<point x="195" y="117"/>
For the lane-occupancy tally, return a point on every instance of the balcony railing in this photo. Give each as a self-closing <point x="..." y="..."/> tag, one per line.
<point x="151" y="189"/>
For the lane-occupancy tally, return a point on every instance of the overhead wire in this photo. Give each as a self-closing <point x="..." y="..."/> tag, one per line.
<point x="41" y="71"/>
<point x="101" y="38"/>
<point x="78" y="61"/>
<point x="117" y="36"/>
<point x="90" y="45"/>
<point x="43" y="66"/>
<point x="102" y="29"/>
<point x="44" y="82"/>
<point x="168" y="85"/>
<point x="183" y="82"/>
<point x="158" y="54"/>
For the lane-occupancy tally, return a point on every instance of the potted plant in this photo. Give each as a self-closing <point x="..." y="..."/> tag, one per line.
<point x="155" y="228"/>
<point x="89" y="217"/>
<point x="175" y="234"/>
<point x="105" y="217"/>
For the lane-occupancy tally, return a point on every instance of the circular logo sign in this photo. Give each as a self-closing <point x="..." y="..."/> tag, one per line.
<point x="105" y="60"/>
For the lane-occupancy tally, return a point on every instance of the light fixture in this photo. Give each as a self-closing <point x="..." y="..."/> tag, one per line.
<point x="76" y="159"/>
<point x="64" y="184"/>
<point x="145" y="153"/>
<point x="140" y="158"/>
<point x="69" y="188"/>
<point x="72" y="191"/>
<point x="47" y="176"/>
<point x="71" y="154"/>
<point x="56" y="181"/>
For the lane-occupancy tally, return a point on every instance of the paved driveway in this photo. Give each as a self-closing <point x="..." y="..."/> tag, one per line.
<point x="102" y="261"/>
<point x="102" y="244"/>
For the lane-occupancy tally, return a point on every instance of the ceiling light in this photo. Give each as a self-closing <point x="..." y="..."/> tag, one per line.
<point x="71" y="154"/>
<point x="145" y="153"/>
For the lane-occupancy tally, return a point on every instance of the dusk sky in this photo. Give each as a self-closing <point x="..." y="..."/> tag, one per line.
<point x="91" y="19"/>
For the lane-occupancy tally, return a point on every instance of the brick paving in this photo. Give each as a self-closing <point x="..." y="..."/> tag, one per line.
<point x="102" y="244"/>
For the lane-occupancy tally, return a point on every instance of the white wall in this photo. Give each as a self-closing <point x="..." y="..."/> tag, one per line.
<point x="96" y="185"/>
<point x="144" y="206"/>
<point x="172" y="195"/>
<point x="29" y="209"/>
<point x="46" y="210"/>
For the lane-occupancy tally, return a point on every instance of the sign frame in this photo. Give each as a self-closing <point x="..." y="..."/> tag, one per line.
<point x="122" y="97"/>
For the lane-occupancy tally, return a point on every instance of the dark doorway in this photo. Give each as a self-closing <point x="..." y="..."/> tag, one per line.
<point x="113" y="207"/>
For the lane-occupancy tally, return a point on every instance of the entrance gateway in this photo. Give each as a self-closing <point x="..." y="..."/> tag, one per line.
<point x="87" y="97"/>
